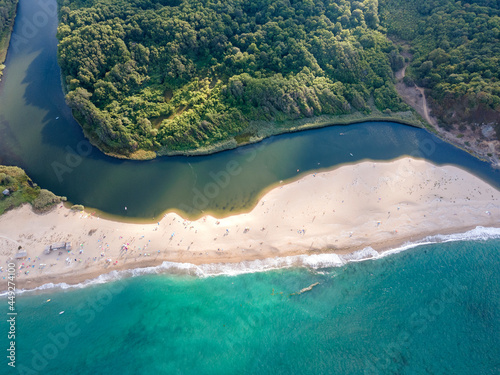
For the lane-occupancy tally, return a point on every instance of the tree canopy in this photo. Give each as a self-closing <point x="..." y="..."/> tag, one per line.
<point x="456" y="54"/>
<point x="179" y="74"/>
<point x="7" y="12"/>
<point x="7" y="15"/>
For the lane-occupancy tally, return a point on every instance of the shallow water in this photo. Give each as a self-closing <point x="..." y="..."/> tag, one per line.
<point x="432" y="309"/>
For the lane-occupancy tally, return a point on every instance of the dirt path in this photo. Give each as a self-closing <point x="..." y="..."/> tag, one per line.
<point x="415" y="97"/>
<point x="400" y="74"/>
<point x="428" y="118"/>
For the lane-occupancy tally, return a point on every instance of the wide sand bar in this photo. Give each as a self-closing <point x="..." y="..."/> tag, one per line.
<point x="377" y="204"/>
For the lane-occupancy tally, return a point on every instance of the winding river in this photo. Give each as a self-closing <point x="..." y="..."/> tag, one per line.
<point x="39" y="134"/>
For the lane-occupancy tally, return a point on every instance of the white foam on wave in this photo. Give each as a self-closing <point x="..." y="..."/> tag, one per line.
<point x="258" y="265"/>
<point x="165" y="267"/>
<point x="366" y="253"/>
<point x="314" y="261"/>
<point x="477" y="234"/>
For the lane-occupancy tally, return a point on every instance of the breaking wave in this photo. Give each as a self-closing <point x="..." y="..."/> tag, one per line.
<point x="314" y="261"/>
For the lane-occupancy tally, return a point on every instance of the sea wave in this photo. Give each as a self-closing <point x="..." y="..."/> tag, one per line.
<point x="314" y="261"/>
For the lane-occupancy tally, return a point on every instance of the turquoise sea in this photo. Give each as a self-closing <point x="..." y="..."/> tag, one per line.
<point x="432" y="309"/>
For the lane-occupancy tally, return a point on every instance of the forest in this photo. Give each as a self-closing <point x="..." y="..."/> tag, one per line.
<point x="7" y="12"/>
<point x="178" y="75"/>
<point x="167" y="75"/>
<point x="456" y="55"/>
<point x="7" y="15"/>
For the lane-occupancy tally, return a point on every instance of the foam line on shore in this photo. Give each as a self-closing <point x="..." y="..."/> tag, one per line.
<point x="324" y="219"/>
<point x="313" y="262"/>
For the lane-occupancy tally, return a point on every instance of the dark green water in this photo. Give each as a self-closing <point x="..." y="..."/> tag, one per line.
<point x="56" y="155"/>
<point x="434" y="309"/>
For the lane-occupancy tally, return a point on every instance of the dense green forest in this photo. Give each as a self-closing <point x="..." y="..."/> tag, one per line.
<point x="166" y="75"/>
<point x="7" y="15"/>
<point x="178" y="75"/>
<point x="456" y="55"/>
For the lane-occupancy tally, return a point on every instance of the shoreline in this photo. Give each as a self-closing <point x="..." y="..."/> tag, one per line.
<point x="415" y="97"/>
<point x="5" y="42"/>
<point x="231" y="144"/>
<point x="290" y="127"/>
<point x="308" y="124"/>
<point x="370" y="204"/>
<point x="152" y="267"/>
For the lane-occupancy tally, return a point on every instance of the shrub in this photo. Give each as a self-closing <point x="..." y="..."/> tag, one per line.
<point x="408" y="81"/>
<point x="45" y="200"/>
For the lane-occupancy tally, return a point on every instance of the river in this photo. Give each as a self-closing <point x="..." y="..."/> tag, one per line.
<point x="39" y="134"/>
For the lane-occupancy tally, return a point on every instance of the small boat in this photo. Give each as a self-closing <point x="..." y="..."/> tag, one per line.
<point x="57" y="118"/>
<point x="351" y="154"/>
<point x="62" y="312"/>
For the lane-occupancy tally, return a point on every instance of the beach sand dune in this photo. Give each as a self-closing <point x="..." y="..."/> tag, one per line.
<point x="375" y="204"/>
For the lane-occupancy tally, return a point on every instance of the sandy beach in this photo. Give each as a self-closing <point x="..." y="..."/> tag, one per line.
<point x="381" y="205"/>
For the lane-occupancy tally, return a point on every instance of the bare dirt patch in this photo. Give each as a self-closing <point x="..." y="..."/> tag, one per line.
<point x="478" y="138"/>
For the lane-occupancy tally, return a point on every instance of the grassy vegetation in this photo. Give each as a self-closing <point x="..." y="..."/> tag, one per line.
<point x="23" y="190"/>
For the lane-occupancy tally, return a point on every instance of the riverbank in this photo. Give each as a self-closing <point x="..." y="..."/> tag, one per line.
<point x="259" y="131"/>
<point x="381" y="205"/>
<point x="482" y="142"/>
<point x="5" y="33"/>
<point x="481" y="145"/>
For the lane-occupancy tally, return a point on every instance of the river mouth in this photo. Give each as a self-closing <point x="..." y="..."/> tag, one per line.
<point x="39" y="134"/>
